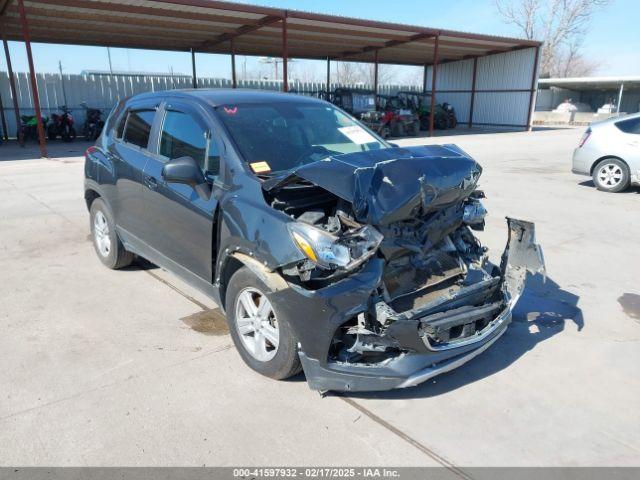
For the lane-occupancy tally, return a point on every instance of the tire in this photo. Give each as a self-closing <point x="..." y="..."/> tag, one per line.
<point x="107" y="245"/>
<point x="280" y="362"/>
<point x="611" y="175"/>
<point x="69" y="134"/>
<point x="51" y="133"/>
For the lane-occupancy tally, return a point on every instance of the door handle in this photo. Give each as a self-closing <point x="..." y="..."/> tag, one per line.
<point x="150" y="182"/>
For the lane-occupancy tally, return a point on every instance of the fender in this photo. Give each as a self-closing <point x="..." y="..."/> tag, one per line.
<point x="270" y="278"/>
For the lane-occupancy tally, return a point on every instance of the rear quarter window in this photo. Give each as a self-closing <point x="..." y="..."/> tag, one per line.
<point x="631" y="125"/>
<point x="137" y="127"/>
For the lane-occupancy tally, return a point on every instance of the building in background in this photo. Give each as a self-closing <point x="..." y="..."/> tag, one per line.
<point x="585" y="99"/>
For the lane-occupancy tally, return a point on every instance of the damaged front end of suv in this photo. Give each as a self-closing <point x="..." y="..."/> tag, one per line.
<point x="392" y="287"/>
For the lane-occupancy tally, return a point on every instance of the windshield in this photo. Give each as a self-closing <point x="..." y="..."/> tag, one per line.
<point x="274" y="137"/>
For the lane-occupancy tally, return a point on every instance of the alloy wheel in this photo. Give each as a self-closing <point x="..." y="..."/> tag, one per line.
<point x="101" y="233"/>
<point x="610" y="175"/>
<point x="257" y="324"/>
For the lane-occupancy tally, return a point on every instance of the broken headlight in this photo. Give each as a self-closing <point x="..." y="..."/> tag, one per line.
<point x="329" y="251"/>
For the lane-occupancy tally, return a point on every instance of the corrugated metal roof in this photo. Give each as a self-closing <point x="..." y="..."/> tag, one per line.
<point x="208" y="26"/>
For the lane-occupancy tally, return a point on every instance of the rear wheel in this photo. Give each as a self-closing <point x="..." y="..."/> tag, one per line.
<point x="108" y="246"/>
<point x="51" y="132"/>
<point x="415" y="128"/>
<point x="69" y="134"/>
<point x="260" y="332"/>
<point x="611" y="175"/>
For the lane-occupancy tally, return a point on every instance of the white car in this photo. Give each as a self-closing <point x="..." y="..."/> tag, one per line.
<point x="609" y="152"/>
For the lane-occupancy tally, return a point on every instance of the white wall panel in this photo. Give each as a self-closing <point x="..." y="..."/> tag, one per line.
<point x="453" y="76"/>
<point x="503" y="108"/>
<point x="502" y="71"/>
<point x="509" y="70"/>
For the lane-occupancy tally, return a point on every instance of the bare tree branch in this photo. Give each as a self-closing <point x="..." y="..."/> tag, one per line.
<point x="561" y="24"/>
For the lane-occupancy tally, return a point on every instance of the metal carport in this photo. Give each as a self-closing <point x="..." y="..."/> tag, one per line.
<point x="456" y="60"/>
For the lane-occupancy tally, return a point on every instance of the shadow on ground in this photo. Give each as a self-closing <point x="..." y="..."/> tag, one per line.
<point x="55" y="150"/>
<point x="543" y="311"/>
<point x="589" y="183"/>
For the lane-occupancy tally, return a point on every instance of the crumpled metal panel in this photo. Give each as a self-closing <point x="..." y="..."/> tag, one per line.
<point x="392" y="184"/>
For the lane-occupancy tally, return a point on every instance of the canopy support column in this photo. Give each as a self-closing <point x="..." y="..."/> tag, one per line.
<point x="434" y="76"/>
<point x="32" y="76"/>
<point x="194" y="76"/>
<point x="473" y="91"/>
<point x="424" y="78"/>
<point x="5" y="134"/>
<point x="14" y="93"/>
<point x="533" y="88"/>
<point x="328" y="79"/>
<point x="375" y="72"/>
<point x="285" y="55"/>
<point x="234" y="81"/>
<point x="620" y="98"/>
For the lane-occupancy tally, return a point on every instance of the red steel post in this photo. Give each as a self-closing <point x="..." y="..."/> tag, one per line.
<point x="14" y="93"/>
<point x="375" y="72"/>
<point x="434" y="75"/>
<point x="32" y="76"/>
<point x="533" y="88"/>
<point x="285" y="55"/>
<point x="473" y="91"/>
<point x="234" y="82"/>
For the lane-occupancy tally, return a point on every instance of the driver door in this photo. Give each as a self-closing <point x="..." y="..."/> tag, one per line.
<point x="180" y="219"/>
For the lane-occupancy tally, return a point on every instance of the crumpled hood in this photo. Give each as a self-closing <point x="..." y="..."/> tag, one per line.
<point x="392" y="184"/>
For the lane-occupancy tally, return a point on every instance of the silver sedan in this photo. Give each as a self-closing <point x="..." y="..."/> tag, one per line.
<point x="609" y="152"/>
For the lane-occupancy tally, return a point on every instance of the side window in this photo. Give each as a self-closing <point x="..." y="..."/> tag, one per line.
<point x="138" y="127"/>
<point x="630" y="126"/>
<point x="182" y="137"/>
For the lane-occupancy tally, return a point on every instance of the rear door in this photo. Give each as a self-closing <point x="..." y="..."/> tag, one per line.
<point x="631" y="133"/>
<point x="180" y="218"/>
<point x="129" y="152"/>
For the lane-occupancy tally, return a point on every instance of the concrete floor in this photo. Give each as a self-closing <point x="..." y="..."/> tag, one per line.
<point x="124" y="368"/>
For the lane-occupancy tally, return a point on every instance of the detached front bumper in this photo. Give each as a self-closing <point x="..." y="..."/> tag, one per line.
<point x="434" y="338"/>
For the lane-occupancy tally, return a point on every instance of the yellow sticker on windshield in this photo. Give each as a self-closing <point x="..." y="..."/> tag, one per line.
<point x="260" y="167"/>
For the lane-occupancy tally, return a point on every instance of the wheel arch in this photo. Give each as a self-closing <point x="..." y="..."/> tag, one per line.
<point x="607" y="157"/>
<point x="90" y="196"/>
<point x="235" y="261"/>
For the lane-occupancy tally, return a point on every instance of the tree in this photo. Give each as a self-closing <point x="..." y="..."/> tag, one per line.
<point x="349" y="73"/>
<point x="561" y="24"/>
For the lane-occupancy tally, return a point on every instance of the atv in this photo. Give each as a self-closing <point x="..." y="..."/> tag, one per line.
<point x="444" y="115"/>
<point x="402" y="119"/>
<point x="362" y="105"/>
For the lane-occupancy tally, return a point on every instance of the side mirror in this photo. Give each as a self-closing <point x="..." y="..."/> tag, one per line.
<point x="394" y="145"/>
<point x="183" y="170"/>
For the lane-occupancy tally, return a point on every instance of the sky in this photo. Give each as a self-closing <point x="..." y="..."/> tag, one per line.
<point x="613" y="41"/>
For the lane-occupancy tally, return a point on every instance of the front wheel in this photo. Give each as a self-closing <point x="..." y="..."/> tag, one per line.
<point x="69" y="134"/>
<point x="415" y="128"/>
<point x="260" y="332"/>
<point x="611" y="175"/>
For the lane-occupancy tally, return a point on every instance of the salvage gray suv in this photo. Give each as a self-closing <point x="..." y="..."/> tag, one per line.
<point x="330" y="250"/>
